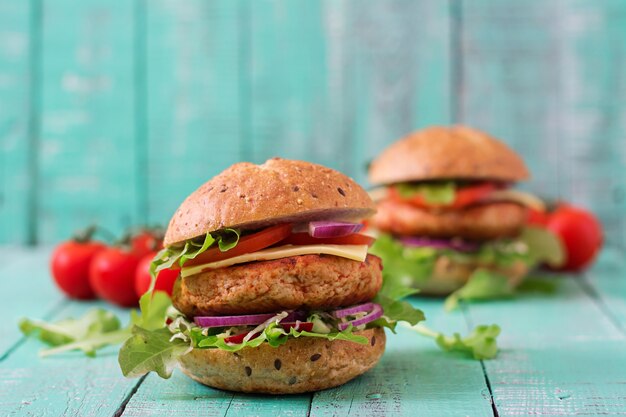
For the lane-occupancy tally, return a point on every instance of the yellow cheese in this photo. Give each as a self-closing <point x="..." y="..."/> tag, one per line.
<point x="516" y="196"/>
<point x="354" y="252"/>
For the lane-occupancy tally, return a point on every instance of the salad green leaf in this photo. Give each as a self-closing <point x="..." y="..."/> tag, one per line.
<point x="480" y="343"/>
<point x="543" y="246"/>
<point x="436" y="193"/>
<point x="151" y="350"/>
<point x="482" y="284"/>
<point x="96" y="329"/>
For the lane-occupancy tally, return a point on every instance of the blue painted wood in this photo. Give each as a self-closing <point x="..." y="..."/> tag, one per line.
<point x="414" y="377"/>
<point x="87" y="157"/>
<point x="547" y="77"/>
<point x="194" y="119"/>
<point x="16" y="93"/>
<point x="562" y="354"/>
<point x="27" y="291"/>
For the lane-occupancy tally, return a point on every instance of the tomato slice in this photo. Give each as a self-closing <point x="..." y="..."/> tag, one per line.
<point x="306" y="239"/>
<point x="238" y="338"/>
<point x="464" y="197"/>
<point x="246" y="244"/>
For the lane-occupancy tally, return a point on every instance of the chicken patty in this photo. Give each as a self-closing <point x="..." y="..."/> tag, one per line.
<point x="480" y="222"/>
<point x="299" y="282"/>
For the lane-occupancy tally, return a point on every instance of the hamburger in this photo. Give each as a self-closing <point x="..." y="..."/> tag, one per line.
<point x="276" y="291"/>
<point x="448" y="215"/>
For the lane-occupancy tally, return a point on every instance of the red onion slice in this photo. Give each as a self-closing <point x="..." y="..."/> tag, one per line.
<point x="225" y="321"/>
<point x="455" y="244"/>
<point x="360" y="308"/>
<point x="376" y="313"/>
<point x="325" y="229"/>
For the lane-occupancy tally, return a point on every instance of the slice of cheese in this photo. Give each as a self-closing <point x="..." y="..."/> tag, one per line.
<point x="354" y="252"/>
<point x="516" y="196"/>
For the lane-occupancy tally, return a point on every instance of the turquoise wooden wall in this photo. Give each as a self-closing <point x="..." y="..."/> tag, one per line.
<point x="114" y="110"/>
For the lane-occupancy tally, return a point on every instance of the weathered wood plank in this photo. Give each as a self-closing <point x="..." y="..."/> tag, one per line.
<point x="16" y="30"/>
<point x="547" y="77"/>
<point x="398" y="75"/>
<point x="87" y="151"/>
<point x="65" y="385"/>
<point x="561" y="355"/>
<point x="413" y="378"/>
<point x="182" y="396"/>
<point x="335" y="82"/>
<point x="27" y="291"/>
<point x="606" y="282"/>
<point x="193" y="98"/>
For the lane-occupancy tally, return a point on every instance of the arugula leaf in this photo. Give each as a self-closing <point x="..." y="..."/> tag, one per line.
<point x="151" y="350"/>
<point x="543" y="246"/>
<point x="436" y="193"/>
<point x="405" y="266"/>
<point x="95" y="329"/>
<point x="395" y="311"/>
<point x="482" y="284"/>
<point x="480" y="343"/>
<point x="153" y="310"/>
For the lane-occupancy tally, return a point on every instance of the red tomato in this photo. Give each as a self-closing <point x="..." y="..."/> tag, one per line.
<point x="70" y="267"/>
<point x="112" y="276"/>
<point x="246" y="244"/>
<point x="145" y="242"/>
<point x="238" y="338"/>
<point x="306" y="239"/>
<point x="165" y="278"/>
<point x="464" y="197"/>
<point x="538" y="218"/>
<point x="580" y="232"/>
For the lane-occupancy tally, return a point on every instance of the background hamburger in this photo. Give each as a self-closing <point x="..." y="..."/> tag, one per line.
<point x="450" y="220"/>
<point x="276" y="292"/>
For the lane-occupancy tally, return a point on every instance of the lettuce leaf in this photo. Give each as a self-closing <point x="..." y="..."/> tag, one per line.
<point x="436" y="193"/>
<point x="480" y="343"/>
<point x="96" y="329"/>
<point x="482" y="285"/>
<point x="151" y="350"/>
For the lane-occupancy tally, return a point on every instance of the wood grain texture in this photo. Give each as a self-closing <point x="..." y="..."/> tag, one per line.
<point x="16" y="19"/>
<point x="193" y="100"/>
<point x="65" y="385"/>
<point x="561" y="354"/>
<point x="182" y="396"/>
<point x="87" y="155"/>
<point x="547" y="78"/>
<point x="413" y="378"/>
<point x="27" y="291"/>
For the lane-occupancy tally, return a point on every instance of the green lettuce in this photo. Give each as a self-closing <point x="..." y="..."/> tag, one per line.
<point x="410" y="266"/>
<point x="481" y="343"/>
<point x="94" y="330"/>
<point x="483" y="284"/>
<point x="226" y="240"/>
<point x="436" y="193"/>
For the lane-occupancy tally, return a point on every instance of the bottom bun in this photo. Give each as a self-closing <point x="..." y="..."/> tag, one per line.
<point x="448" y="275"/>
<point x="300" y="365"/>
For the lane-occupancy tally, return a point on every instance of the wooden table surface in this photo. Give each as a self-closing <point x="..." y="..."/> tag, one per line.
<point x="563" y="353"/>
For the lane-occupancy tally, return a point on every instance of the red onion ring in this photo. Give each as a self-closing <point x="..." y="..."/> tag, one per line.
<point x="326" y="229"/>
<point x="360" y="308"/>
<point x="376" y="313"/>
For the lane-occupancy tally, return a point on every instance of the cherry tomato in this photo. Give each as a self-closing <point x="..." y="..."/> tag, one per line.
<point x="112" y="276"/>
<point x="306" y="239"/>
<point x="464" y="196"/>
<point x="70" y="267"/>
<point x="246" y="244"/>
<point x="537" y="217"/>
<point x="580" y="232"/>
<point x="146" y="242"/>
<point x="165" y="278"/>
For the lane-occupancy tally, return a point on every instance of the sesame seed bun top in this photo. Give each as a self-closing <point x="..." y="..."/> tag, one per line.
<point x="250" y="196"/>
<point x="457" y="152"/>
